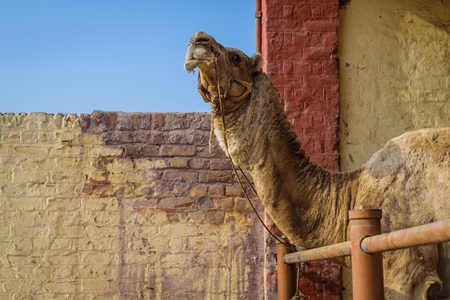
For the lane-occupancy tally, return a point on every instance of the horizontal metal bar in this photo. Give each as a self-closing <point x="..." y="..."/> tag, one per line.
<point x="433" y="233"/>
<point x="327" y="252"/>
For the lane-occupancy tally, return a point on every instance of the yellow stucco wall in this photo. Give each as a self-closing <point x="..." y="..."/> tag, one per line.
<point x="82" y="216"/>
<point x="394" y="76"/>
<point x="394" y="72"/>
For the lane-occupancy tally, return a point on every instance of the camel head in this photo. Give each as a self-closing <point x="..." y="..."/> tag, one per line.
<point x="224" y="73"/>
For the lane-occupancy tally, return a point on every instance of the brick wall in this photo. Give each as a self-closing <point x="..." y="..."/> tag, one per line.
<point x="122" y="206"/>
<point x="299" y="46"/>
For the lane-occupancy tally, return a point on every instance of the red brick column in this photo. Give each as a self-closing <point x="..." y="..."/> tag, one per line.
<point x="299" y="46"/>
<point x="299" y="43"/>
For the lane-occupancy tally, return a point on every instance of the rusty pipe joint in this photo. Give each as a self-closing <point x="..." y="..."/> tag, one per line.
<point x="367" y="269"/>
<point x="286" y="273"/>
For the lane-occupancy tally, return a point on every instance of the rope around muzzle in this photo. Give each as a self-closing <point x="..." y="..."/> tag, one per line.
<point x="215" y="101"/>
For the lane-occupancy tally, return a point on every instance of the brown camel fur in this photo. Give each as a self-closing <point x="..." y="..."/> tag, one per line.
<point x="409" y="178"/>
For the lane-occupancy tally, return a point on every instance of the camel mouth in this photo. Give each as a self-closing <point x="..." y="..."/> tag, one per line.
<point x="191" y="64"/>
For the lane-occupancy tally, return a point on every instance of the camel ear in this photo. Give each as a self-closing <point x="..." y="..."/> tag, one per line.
<point x="256" y="63"/>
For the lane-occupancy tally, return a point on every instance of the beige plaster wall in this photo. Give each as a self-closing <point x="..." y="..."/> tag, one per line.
<point x="122" y="206"/>
<point x="394" y="72"/>
<point x="394" y="76"/>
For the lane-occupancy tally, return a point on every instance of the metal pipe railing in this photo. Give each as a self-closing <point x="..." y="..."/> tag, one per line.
<point x="366" y="245"/>
<point x="433" y="233"/>
<point x="327" y="252"/>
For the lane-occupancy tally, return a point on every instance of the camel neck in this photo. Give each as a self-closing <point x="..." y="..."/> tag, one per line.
<point x="297" y="192"/>
<point x="294" y="191"/>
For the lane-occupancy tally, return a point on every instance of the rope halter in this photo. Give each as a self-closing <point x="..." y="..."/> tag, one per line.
<point x="233" y="103"/>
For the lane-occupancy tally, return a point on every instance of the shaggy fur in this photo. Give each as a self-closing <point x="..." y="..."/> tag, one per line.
<point x="409" y="178"/>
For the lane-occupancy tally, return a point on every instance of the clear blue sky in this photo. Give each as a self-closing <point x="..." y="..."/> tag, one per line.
<point x="75" y="56"/>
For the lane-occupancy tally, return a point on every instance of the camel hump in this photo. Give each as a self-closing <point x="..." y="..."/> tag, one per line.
<point x="430" y="146"/>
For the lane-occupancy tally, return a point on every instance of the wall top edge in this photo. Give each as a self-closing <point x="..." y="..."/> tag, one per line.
<point x="105" y="121"/>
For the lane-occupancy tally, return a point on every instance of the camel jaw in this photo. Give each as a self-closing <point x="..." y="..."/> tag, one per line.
<point x="191" y="64"/>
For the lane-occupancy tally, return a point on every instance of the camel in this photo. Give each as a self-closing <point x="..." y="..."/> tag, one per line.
<point x="409" y="178"/>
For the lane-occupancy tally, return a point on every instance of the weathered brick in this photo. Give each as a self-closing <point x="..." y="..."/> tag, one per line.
<point x="216" y="190"/>
<point x="319" y="52"/>
<point x="176" y="202"/>
<point x="179" y="163"/>
<point x="23" y="285"/>
<point x="215" y="217"/>
<point x="176" y="121"/>
<point x="99" y="121"/>
<point x="62" y="243"/>
<point x="200" y="121"/>
<point x="321" y="25"/>
<point x="28" y="203"/>
<point x="31" y="151"/>
<point x="5" y="150"/>
<point x="94" y="231"/>
<point x="158" y="121"/>
<point x="65" y="204"/>
<point x="25" y="244"/>
<point x="177" y="150"/>
<point x="241" y="204"/>
<point x="204" y="202"/>
<point x="198" y="190"/>
<point x="215" y="176"/>
<point x="199" y="163"/>
<point x="233" y="190"/>
<point x="223" y="204"/>
<point x="178" y="230"/>
<point x="220" y="164"/>
<point x="179" y="175"/>
<point x="107" y="285"/>
<point x="62" y="286"/>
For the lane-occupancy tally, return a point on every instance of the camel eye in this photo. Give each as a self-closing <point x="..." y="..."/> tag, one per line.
<point x="236" y="58"/>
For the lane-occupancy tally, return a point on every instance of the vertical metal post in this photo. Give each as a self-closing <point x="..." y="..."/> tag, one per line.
<point x="286" y="275"/>
<point x="367" y="269"/>
<point x="258" y="16"/>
